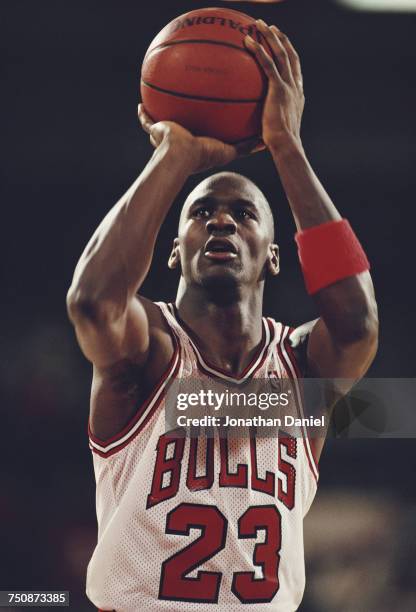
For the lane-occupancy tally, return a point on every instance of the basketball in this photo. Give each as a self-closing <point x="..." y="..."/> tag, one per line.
<point x="198" y="73"/>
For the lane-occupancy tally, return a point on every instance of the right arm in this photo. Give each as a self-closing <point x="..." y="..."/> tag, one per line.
<point x="101" y="300"/>
<point x="118" y="332"/>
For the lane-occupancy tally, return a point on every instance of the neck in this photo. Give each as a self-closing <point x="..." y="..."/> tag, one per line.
<point x="227" y="334"/>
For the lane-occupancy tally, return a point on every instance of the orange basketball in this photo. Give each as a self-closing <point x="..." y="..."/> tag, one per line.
<point x="198" y="73"/>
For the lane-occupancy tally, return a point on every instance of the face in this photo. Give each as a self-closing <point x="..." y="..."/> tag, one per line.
<point x="225" y="234"/>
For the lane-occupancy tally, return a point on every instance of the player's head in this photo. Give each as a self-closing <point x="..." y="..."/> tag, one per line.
<point x="226" y="235"/>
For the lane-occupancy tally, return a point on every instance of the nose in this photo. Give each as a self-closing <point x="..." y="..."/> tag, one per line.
<point x="221" y="224"/>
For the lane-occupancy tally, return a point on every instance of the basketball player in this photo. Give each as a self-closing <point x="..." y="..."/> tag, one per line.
<point x="190" y="524"/>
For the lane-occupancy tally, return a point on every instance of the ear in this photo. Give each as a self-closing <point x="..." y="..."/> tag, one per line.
<point x="174" y="258"/>
<point x="273" y="261"/>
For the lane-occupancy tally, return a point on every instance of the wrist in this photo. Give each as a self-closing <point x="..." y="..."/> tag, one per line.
<point x="179" y="155"/>
<point x="286" y="147"/>
<point x="329" y="252"/>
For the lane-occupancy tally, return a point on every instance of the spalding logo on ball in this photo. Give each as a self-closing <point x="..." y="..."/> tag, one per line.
<point x="198" y="73"/>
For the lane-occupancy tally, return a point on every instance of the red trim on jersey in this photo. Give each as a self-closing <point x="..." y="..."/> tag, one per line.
<point x="141" y="408"/>
<point x="291" y="353"/>
<point x="202" y="362"/>
<point x="309" y="456"/>
<point x="114" y="450"/>
<point x="312" y="443"/>
<point x="294" y="362"/>
<point x="312" y="463"/>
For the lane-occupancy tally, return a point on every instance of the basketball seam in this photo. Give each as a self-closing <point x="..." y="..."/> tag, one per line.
<point x="219" y="8"/>
<point x="205" y="98"/>
<point x="198" y="41"/>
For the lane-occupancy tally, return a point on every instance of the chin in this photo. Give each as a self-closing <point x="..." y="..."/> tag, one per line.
<point x="222" y="288"/>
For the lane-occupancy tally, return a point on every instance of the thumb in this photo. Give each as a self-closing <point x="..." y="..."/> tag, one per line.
<point x="216" y="152"/>
<point x="157" y="133"/>
<point x="229" y="153"/>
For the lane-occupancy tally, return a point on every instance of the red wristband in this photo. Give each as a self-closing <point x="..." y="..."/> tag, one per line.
<point x="328" y="253"/>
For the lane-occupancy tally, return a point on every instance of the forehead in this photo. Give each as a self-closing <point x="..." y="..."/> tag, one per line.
<point x="226" y="190"/>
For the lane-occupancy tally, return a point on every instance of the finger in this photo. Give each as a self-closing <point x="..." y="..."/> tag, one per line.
<point x="252" y="145"/>
<point x="277" y="48"/>
<point x="145" y="121"/>
<point x="292" y="55"/>
<point x="263" y="58"/>
<point x="260" y="147"/>
<point x="221" y="155"/>
<point x="230" y="154"/>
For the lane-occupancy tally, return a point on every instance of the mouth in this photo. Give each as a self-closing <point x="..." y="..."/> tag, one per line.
<point x="220" y="250"/>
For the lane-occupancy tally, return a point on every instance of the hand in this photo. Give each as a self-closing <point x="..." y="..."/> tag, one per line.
<point x="200" y="152"/>
<point x="285" y="101"/>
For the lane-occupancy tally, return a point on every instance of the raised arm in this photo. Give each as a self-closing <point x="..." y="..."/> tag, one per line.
<point x="343" y="343"/>
<point x="116" y="330"/>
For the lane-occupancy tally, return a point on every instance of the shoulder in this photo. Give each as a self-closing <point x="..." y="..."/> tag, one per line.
<point x="118" y="390"/>
<point x="153" y="312"/>
<point x="295" y="342"/>
<point x="162" y="342"/>
<point x="126" y="374"/>
<point x="294" y="336"/>
<point x="298" y="339"/>
<point x="159" y="330"/>
<point x="299" y="336"/>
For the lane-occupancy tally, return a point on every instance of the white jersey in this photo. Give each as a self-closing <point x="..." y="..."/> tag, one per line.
<point x="186" y="524"/>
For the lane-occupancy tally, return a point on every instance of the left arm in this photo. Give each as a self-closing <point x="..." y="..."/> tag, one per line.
<point x="343" y="343"/>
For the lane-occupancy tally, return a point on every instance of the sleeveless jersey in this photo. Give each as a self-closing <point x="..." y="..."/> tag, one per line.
<point x="189" y="524"/>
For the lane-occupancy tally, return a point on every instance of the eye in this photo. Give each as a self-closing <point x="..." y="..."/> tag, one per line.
<point x="203" y="212"/>
<point x="244" y="214"/>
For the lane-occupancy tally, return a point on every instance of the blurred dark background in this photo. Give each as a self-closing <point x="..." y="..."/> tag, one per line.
<point x="71" y="146"/>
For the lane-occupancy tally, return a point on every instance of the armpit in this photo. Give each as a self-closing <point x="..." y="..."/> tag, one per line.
<point x="123" y="378"/>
